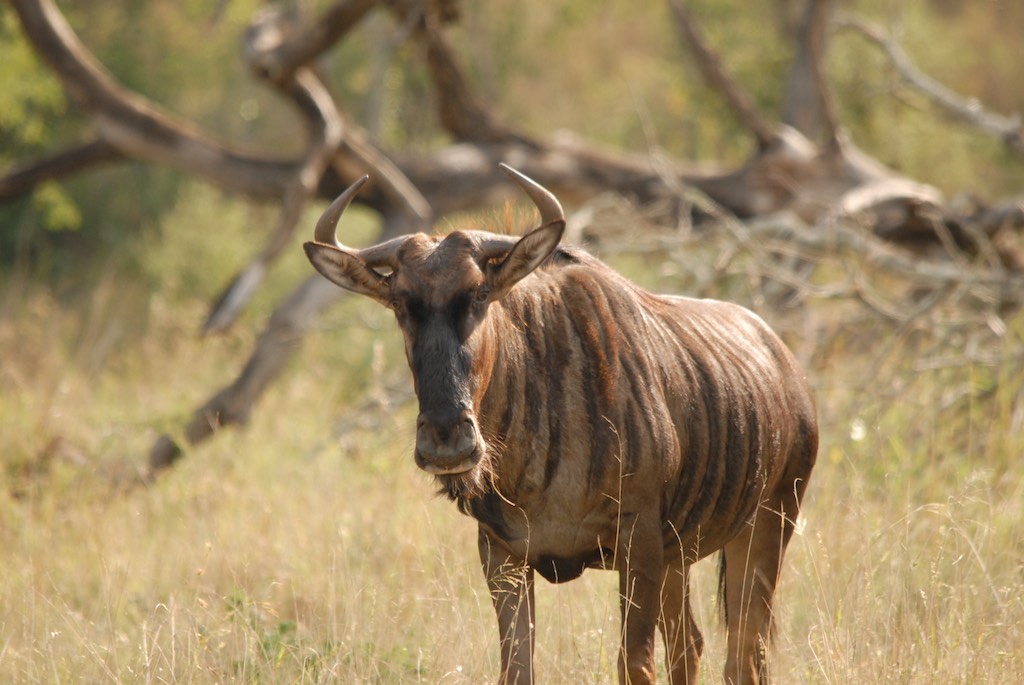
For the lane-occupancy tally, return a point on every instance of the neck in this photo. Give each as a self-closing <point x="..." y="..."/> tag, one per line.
<point x="502" y="363"/>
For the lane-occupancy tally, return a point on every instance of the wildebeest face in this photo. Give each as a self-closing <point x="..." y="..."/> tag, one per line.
<point x="440" y="295"/>
<point x="440" y="290"/>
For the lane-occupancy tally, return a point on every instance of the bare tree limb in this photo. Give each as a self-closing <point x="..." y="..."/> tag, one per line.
<point x="834" y="183"/>
<point x="1008" y="129"/>
<point x="714" y="72"/>
<point x="325" y="124"/>
<point x="808" y="105"/>
<point x="276" y="62"/>
<point x="428" y="187"/>
<point x="133" y="125"/>
<point x="276" y="345"/>
<point x="462" y="113"/>
<point x="22" y="178"/>
<point x="137" y="128"/>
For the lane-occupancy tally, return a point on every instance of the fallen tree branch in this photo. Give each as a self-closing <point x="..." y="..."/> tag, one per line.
<point x="710" y="65"/>
<point x="839" y="194"/>
<point x="324" y="122"/>
<point x="464" y="115"/>
<point x="23" y="178"/>
<point x="134" y="126"/>
<point x="1008" y="129"/>
<point x="808" y="105"/>
<point x="276" y="345"/>
<point x="277" y="62"/>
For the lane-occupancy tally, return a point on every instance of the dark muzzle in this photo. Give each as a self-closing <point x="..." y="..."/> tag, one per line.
<point x="447" y="442"/>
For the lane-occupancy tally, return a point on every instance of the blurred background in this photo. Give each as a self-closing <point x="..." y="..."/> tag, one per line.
<point x="141" y="544"/>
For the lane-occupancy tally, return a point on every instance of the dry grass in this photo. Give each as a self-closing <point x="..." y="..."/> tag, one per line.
<point x="308" y="549"/>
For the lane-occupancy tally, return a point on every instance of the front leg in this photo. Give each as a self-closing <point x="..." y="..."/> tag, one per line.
<point x="640" y="561"/>
<point x="510" y="582"/>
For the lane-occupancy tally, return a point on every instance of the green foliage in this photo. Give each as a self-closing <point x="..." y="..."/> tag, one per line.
<point x="30" y="100"/>
<point x="32" y="107"/>
<point x="58" y="211"/>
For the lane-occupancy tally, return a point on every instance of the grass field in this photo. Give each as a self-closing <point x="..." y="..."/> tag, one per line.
<point x="307" y="548"/>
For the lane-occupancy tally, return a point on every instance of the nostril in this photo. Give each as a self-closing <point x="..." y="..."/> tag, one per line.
<point x="455" y="427"/>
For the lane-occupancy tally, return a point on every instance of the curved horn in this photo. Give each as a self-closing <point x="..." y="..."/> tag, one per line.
<point x="383" y="254"/>
<point x="550" y="209"/>
<point x="326" y="228"/>
<point x="494" y="246"/>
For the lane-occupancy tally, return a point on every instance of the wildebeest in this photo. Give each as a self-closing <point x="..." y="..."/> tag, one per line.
<point x="587" y="423"/>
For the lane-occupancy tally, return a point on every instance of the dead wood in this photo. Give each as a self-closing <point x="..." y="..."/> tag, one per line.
<point x="23" y="177"/>
<point x="324" y="123"/>
<point x="277" y="344"/>
<point x="808" y="105"/>
<point x="710" y="65"/>
<point x="1007" y="129"/>
<point x="840" y="200"/>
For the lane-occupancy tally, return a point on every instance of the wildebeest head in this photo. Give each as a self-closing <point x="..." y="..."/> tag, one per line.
<point x="440" y="290"/>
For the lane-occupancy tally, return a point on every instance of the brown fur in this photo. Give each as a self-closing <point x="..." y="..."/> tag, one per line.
<point x="585" y="422"/>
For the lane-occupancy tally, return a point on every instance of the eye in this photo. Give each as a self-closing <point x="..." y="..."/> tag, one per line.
<point x="482" y="294"/>
<point x="402" y="305"/>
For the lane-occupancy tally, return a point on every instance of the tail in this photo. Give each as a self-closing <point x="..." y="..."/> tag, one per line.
<point x="723" y="606"/>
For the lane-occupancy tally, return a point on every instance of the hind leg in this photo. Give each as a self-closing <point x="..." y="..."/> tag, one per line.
<point x="683" y="641"/>
<point x="752" y="564"/>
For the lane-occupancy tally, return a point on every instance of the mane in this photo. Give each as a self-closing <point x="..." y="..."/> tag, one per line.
<point x="565" y="255"/>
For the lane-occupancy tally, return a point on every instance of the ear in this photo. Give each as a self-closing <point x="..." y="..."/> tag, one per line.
<point x="348" y="271"/>
<point x="525" y="256"/>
